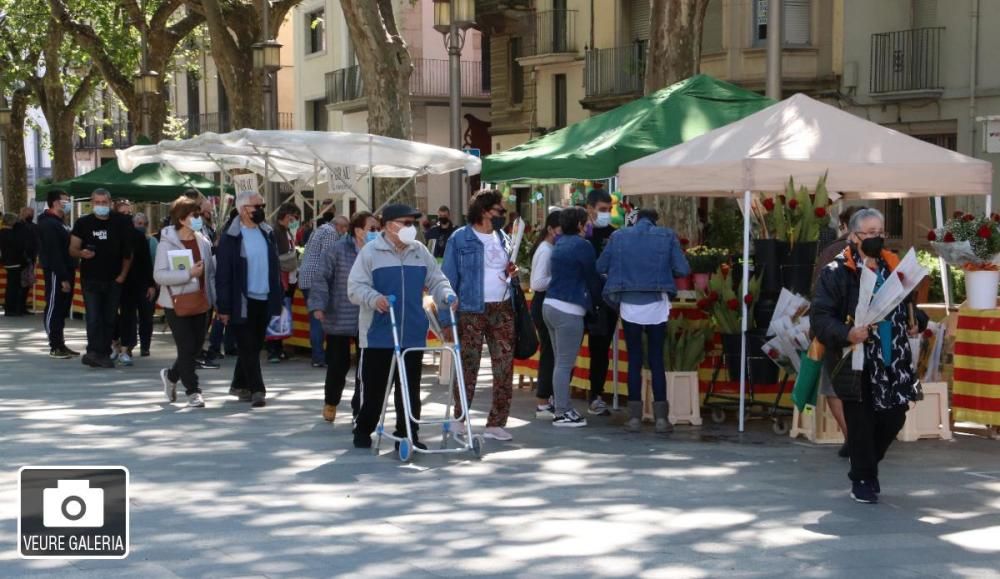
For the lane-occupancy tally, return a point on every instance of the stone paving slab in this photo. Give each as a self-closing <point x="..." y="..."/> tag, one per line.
<point x="228" y="491"/>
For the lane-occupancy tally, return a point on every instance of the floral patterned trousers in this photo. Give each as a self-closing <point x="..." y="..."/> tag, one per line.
<point x="495" y="326"/>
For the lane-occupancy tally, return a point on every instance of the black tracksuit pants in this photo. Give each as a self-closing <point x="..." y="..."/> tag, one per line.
<point x="374" y="371"/>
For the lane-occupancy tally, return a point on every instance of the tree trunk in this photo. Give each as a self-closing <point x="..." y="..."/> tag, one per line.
<point x="385" y="65"/>
<point x="674" y="55"/>
<point x="15" y="193"/>
<point x="63" y="159"/>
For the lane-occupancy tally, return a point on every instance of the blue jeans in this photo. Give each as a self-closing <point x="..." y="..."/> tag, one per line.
<point x="101" y="300"/>
<point x="633" y="341"/>
<point x="316" y="335"/>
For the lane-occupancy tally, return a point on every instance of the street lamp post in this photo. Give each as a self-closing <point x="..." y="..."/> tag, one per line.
<point x="267" y="59"/>
<point x="453" y="18"/>
<point x="146" y="83"/>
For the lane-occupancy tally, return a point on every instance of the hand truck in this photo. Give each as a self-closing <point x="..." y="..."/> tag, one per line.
<point x="464" y="437"/>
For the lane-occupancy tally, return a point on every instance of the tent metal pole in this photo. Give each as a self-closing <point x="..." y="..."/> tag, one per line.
<point x="939" y="222"/>
<point x="614" y="365"/>
<point x="746" y="290"/>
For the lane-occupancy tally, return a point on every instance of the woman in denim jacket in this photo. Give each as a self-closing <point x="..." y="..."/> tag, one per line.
<point x="641" y="263"/>
<point x="571" y="294"/>
<point x="477" y="262"/>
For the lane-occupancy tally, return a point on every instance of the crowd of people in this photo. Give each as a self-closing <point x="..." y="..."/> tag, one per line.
<point x="351" y="271"/>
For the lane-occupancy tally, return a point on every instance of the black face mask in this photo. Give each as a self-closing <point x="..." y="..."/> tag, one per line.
<point x="872" y="247"/>
<point x="443" y="221"/>
<point x="257" y="216"/>
<point x="498" y="223"/>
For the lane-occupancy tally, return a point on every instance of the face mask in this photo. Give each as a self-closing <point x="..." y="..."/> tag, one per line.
<point x="371" y="236"/>
<point x="141" y="229"/>
<point x="407" y="234"/>
<point x="603" y="219"/>
<point x="443" y="221"/>
<point x="195" y="224"/>
<point x="67" y="206"/>
<point x="257" y="216"/>
<point x="498" y="223"/>
<point x="872" y="247"/>
<point x="293" y="225"/>
<point x="102" y="210"/>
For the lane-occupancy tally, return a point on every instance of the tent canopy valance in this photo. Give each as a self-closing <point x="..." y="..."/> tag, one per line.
<point x="150" y="182"/>
<point x="595" y="148"/>
<point x="308" y="157"/>
<point x="804" y="138"/>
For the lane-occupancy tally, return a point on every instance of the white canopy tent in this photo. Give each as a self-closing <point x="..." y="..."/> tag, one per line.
<point x="303" y="159"/>
<point x="804" y="138"/>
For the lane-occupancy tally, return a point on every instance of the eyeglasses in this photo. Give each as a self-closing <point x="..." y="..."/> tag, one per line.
<point x="406" y="223"/>
<point x="260" y="206"/>
<point x="869" y="234"/>
<point x="499" y="210"/>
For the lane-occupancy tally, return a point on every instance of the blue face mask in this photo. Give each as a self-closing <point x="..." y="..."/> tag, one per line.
<point x="371" y="236"/>
<point x="294" y="225"/>
<point x="67" y="206"/>
<point x="102" y="210"/>
<point x="196" y="224"/>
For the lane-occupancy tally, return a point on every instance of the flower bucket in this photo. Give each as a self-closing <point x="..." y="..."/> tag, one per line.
<point x="701" y="281"/>
<point x="981" y="289"/>
<point x="682" y="283"/>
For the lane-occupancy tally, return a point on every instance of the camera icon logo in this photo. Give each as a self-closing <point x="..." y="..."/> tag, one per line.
<point x="73" y="504"/>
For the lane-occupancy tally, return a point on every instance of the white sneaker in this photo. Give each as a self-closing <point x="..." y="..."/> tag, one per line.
<point x="497" y="433"/>
<point x="169" y="388"/>
<point x="598" y="408"/>
<point x="569" y="420"/>
<point x="124" y="359"/>
<point x="457" y="428"/>
<point x="547" y="411"/>
<point x="196" y="401"/>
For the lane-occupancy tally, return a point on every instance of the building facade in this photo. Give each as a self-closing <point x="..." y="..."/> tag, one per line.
<point x="331" y="93"/>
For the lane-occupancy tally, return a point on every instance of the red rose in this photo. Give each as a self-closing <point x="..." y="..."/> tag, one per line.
<point x="995" y="217"/>
<point x="748" y="299"/>
<point x="781" y="199"/>
<point x="725" y="269"/>
<point x="985" y="231"/>
<point x="792" y="204"/>
<point x="820" y="212"/>
<point x="948" y="237"/>
<point x="733" y="304"/>
<point x="703" y="304"/>
<point x="769" y="204"/>
<point x="957" y="214"/>
<point x="713" y="296"/>
<point x="773" y="354"/>
<point x="928" y="334"/>
<point x="931" y="235"/>
<point x="685" y="241"/>
<point x="968" y="217"/>
<point x="902" y="278"/>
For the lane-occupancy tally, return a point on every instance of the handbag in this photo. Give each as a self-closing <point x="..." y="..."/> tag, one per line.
<point x="525" y="337"/>
<point x="280" y="327"/>
<point x="189" y="304"/>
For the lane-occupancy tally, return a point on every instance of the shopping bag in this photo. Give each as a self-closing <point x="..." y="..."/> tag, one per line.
<point x="280" y="326"/>
<point x="807" y="382"/>
<point x="525" y="337"/>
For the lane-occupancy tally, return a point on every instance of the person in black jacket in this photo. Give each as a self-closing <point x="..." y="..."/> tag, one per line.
<point x="876" y="398"/>
<point x="138" y="291"/>
<point x="59" y="269"/>
<point x="15" y="260"/>
<point x="32" y="242"/>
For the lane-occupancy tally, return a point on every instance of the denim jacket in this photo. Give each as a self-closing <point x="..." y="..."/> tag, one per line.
<point x="642" y="258"/>
<point x="464" y="260"/>
<point x="574" y="276"/>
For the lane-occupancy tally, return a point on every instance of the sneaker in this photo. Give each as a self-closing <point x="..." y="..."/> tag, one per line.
<point x="598" y="408"/>
<point x="571" y="419"/>
<point x="70" y="352"/>
<point x="105" y="363"/>
<point x="319" y="364"/>
<point x="124" y="359"/>
<point x="864" y="492"/>
<point x="876" y="487"/>
<point x="844" y="452"/>
<point x="144" y="353"/>
<point x="362" y="441"/>
<point x="169" y="388"/>
<point x="416" y="444"/>
<point x="257" y="400"/>
<point x="90" y="360"/>
<point x="206" y="364"/>
<point x="59" y="354"/>
<point x="497" y="433"/>
<point x="213" y="355"/>
<point x="274" y="359"/>
<point x="243" y="395"/>
<point x="196" y="401"/>
<point x="545" y="411"/>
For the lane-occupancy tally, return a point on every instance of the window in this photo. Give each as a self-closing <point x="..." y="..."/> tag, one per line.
<point x="797" y="25"/>
<point x="315" y="32"/>
<point x="318" y="114"/>
<point x="639" y="17"/>
<point x="559" y="91"/>
<point x="516" y="73"/>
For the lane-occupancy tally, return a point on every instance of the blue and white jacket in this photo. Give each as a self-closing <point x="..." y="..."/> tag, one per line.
<point x="464" y="260"/>
<point x="382" y="270"/>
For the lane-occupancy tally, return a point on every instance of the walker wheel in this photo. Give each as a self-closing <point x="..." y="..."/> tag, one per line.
<point x="718" y="415"/>
<point x="405" y="451"/>
<point x="780" y="426"/>
<point x="478" y="446"/>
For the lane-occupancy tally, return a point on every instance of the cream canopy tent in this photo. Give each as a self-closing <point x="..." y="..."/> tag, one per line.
<point x="303" y="158"/>
<point x="804" y="138"/>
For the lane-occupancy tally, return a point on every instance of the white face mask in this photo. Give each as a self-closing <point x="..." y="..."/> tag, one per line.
<point x="603" y="219"/>
<point x="407" y="234"/>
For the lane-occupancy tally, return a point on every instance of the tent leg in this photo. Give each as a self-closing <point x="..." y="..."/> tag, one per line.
<point x="746" y="289"/>
<point x="614" y="366"/>
<point x="939" y="223"/>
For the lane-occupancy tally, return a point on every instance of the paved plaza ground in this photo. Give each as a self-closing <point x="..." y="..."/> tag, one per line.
<point x="276" y="492"/>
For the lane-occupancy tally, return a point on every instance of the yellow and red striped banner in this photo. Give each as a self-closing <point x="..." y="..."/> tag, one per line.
<point x="976" y="381"/>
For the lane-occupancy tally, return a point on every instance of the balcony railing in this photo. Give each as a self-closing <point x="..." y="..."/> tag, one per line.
<point x="615" y="71"/>
<point x="430" y="78"/>
<point x="906" y="61"/>
<point x="106" y="136"/>
<point x="219" y="123"/>
<point x="555" y="32"/>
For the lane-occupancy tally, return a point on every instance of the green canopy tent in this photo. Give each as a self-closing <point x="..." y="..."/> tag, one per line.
<point x="148" y="183"/>
<point x="594" y="148"/>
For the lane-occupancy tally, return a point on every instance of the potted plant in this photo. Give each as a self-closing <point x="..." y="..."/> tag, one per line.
<point x="973" y="244"/>
<point x="704" y="261"/>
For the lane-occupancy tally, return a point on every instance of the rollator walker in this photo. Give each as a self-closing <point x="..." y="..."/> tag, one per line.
<point x="464" y="437"/>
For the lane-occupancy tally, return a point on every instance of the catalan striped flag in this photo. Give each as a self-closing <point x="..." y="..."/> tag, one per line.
<point x="976" y="388"/>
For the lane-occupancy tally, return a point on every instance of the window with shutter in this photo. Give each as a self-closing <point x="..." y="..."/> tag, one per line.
<point x="924" y="13"/>
<point x="639" y="20"/>
<point x="711" y="30"/>
<point x="797" y="22"/>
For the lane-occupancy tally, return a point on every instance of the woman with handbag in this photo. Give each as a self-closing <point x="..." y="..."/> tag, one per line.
<point x="187" y="294"/>
<point x="286" y="223"/>
<point x="477" y="262"/>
